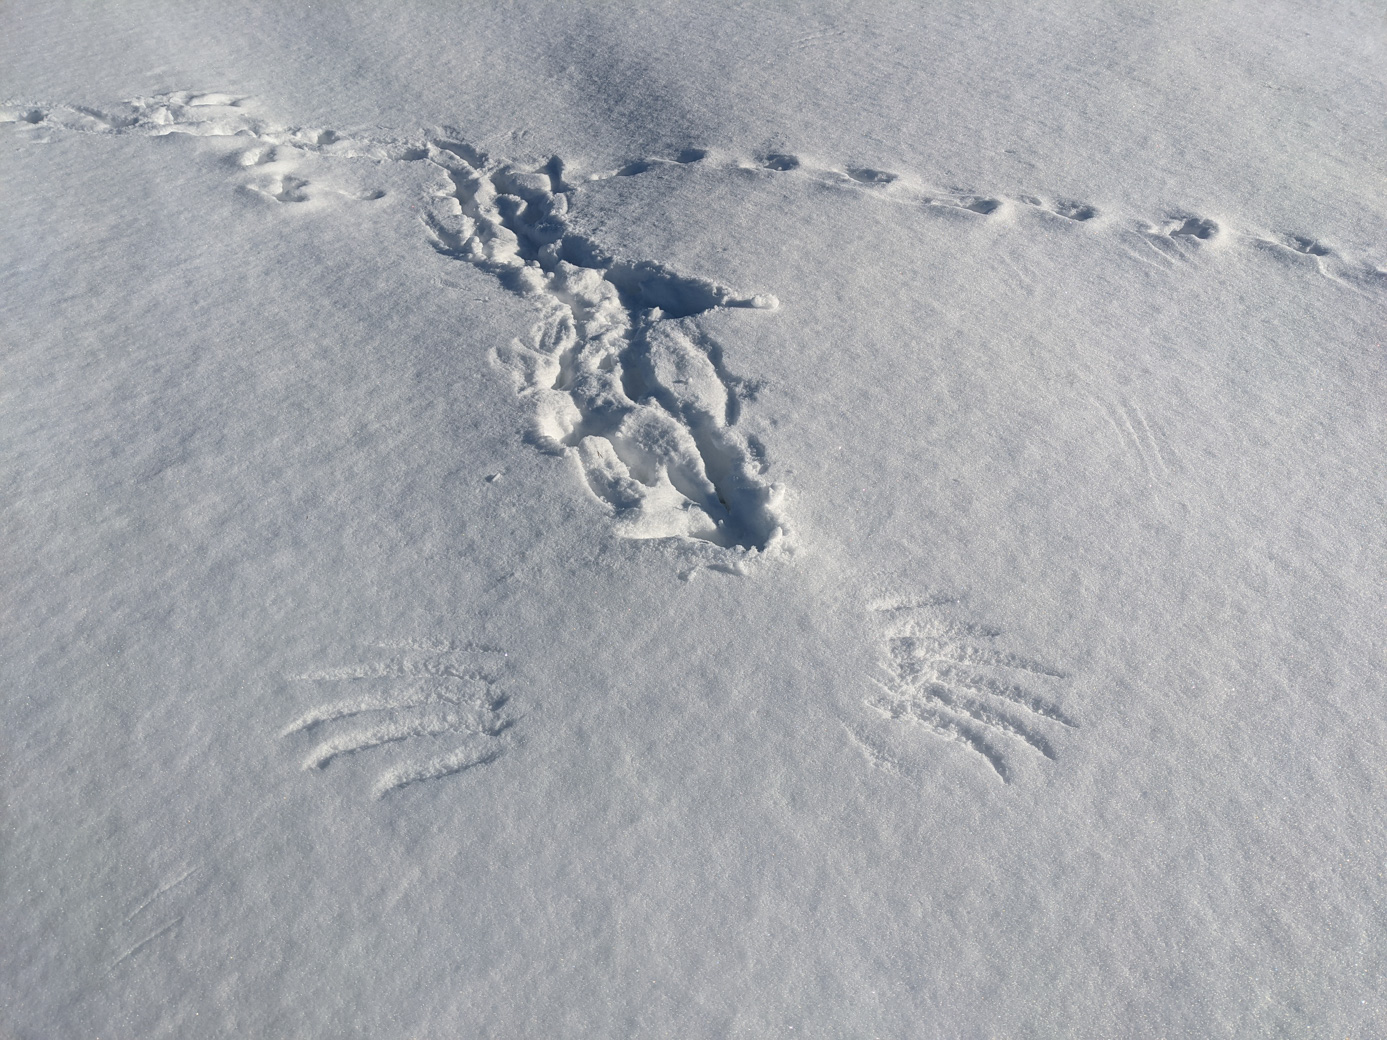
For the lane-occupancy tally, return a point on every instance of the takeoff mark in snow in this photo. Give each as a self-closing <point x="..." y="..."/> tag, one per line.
<point x="947" y="677"/>
<point x="437" y="711"/>
<point x="617" y="374"/>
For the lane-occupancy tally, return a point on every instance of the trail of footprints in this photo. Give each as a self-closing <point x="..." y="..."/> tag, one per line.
<point x="948" y="678"/>
<point x="426" y="711"/>
<point x="1172" y="236"/>
<point x="617" y="373"/>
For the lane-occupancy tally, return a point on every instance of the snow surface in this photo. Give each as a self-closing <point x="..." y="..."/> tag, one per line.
<point x="709" y="520"/>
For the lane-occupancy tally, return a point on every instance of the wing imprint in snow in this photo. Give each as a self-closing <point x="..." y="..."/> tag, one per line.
<point x="430" y="712"/>
<point x="948" y="678"/>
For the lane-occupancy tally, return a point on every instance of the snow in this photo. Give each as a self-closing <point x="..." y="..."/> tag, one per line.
<point x="706" y="520"/>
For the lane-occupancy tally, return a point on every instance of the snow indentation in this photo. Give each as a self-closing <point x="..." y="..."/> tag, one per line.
<point x="439" y="708"/>
<point x="657" y="444"/>
<point x="947" y="677"/>
<point x="617" y="373"/>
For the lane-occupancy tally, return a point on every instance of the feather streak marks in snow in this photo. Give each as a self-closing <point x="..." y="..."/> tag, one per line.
<point x="420" y="700"/>
<point x="1144" y="442"/>
<point x="159" y="932"/>
<point x="944" y="676"/>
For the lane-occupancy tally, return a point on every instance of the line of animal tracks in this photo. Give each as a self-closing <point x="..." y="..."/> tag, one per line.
<point x="617" y="373"/>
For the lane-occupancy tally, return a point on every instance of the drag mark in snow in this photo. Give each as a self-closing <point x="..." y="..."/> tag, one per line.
<point x="1310" y="254"/>
<point x="136" y="921"/>
<point x="960" y="200"/>
<point x="1179" y="235"/>
<point x="1067" y="209"/>
<point x="946" y="677"/>
<point x="439" y="708"/>
<point x="1302" y="244"/>
<point x="874" y="752"/>
<point x="154" y="897"/>
<point x="160" y="891"/>
<point x="814" y="39"/>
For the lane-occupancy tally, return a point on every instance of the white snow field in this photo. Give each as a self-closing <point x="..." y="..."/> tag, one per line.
<point x="693" y="520"/>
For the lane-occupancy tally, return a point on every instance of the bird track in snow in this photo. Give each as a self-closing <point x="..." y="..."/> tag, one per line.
<point x="432" y="710"/>
<point x="947" y="677"/>
<point x="1173" y="233"/>
<point x="617" y="373"/>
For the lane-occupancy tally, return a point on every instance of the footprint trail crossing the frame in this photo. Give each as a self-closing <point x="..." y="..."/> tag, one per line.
<point x="617" y="374"/>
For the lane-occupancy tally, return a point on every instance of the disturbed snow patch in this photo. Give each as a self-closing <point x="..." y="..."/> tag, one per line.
<point x="616" y="374"/>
